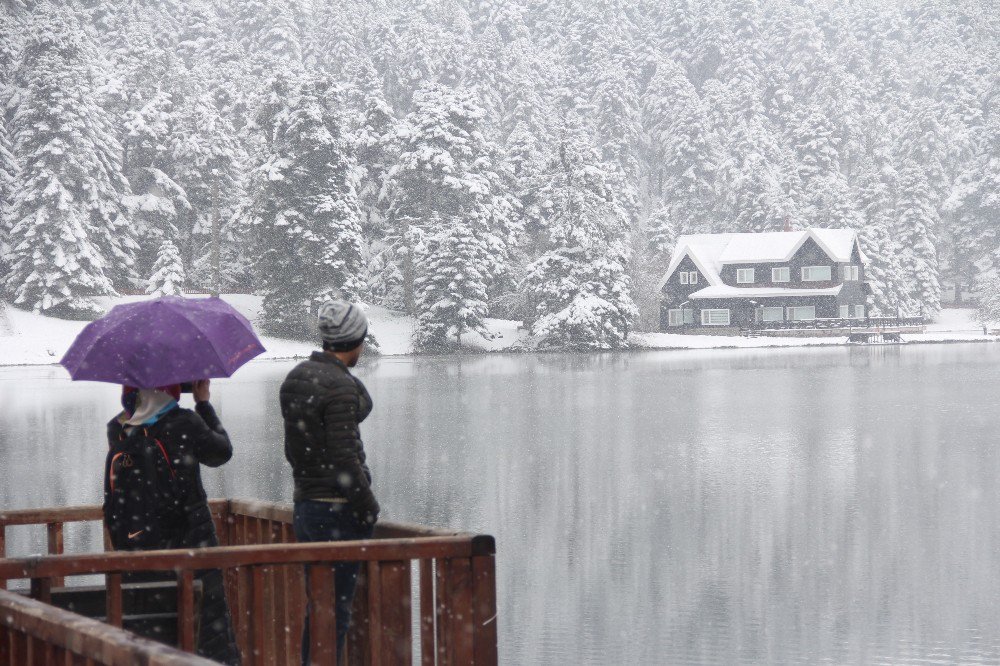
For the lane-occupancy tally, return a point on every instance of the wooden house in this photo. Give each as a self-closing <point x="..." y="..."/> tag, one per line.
<point x="722" y="282"/>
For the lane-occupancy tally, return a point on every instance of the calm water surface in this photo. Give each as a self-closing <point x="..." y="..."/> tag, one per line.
<point x="785" y="506"/>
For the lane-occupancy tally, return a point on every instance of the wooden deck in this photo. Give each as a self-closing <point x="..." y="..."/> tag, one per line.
<point x="441" y="582"/>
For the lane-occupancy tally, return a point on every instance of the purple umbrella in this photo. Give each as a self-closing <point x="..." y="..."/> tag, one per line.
<point x="164" y="341"/>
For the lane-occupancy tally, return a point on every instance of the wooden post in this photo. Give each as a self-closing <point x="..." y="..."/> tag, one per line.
<point x="322" y="615"/>
<point x="3" y="554"/>
<point x="455" y="616"/>
<point x="113" y="602"/>
<point x="374" y="623"/>
<point x="55" y="546"/>
<point x="185" y="610"/>
<point x="41" y="589"/>
<point x="258" y="652"/>
<point x="427" y="605"/>
<point x="484" y="610"/>
<point x="396" y="640"/>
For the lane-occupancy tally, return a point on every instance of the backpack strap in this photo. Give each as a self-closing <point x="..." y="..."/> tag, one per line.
<point x="163" y="450"/>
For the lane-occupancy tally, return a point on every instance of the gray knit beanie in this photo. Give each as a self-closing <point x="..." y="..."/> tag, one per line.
<point x="342" y="325"/>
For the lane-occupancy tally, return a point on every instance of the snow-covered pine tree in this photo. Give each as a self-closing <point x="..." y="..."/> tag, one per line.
<point x="447" y="166"/>
<point x="304" y="213"/>
<point x="579" y="286"/>
<point x="918" y="218"/>
<point x="450" y="285"/>
<point x="167" y="278"/>
<point x="58" y="251"/>
<point x="157" y="201"/>
<point x="988" y="309"/>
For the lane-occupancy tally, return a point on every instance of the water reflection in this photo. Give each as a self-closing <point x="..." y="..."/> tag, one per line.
<point x="709" y="507"/>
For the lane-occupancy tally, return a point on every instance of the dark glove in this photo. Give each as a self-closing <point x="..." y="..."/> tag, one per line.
<point x="368" y="514"/>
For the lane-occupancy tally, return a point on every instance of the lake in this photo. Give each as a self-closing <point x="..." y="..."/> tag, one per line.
<point x="833" y="505"/>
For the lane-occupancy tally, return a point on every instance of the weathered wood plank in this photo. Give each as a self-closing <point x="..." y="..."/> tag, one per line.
<point x="221" y="558"/>
<point x="427" y="642"/>
<point x="113" y="600"/>
<point x="322" y="616"/>
<point x="375" y="626"/>
<point x="460" y="597"/>
<point x="484" y="610"/>
<point x="185" y="610"/>
<point x="89" y="640"/>
<point x="396" y="644"/>
<point x="258" y="649"/>
<point x="359" y="635"/>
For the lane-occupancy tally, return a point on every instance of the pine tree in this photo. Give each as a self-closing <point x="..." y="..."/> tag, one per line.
<point x="988" y="308"/>
<point x="579" y="287"/>
<point x="450" y="285"/>
<point x="167" y="278"/>
<point x="65" y="210"/>
<point x="917" y="220"/>
<point x="304" y="214"/>
<point x="447" y="167"/>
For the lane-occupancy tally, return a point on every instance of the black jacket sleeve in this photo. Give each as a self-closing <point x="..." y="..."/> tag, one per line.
<point x="340" y="417"/>
<point x="207" y="438"/>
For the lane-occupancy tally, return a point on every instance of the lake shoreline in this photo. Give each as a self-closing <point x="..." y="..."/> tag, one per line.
<point x="782" y="343"/>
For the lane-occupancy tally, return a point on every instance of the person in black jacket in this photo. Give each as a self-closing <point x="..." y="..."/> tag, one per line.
<point x="191" y="439"/>
<point x="323" y="405"/>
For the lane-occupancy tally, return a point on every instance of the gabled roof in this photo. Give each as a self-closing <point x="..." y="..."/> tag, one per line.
<point x="710" y="252"/>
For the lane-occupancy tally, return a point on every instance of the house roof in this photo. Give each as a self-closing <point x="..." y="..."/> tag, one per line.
<point x="710" y="252"/>
<point x="726" y="291"/>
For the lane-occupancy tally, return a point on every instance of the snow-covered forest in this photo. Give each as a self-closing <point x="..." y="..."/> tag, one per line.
<point x="465" y="159"/>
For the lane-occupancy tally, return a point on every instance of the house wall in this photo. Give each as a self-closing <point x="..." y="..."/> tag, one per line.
<point x="674" y="293"/>
<point x="810" y="254"/>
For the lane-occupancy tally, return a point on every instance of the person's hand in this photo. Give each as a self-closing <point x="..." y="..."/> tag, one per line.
<point x="199" y="390"/>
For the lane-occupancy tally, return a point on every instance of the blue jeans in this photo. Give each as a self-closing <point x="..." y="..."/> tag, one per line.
<point x="329" y="521"/>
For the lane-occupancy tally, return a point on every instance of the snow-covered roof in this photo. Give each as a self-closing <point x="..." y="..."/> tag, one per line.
<point x="763" y="292"/>
<point x="710" y="252"/>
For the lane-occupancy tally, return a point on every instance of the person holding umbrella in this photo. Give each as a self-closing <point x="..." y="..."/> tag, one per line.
<point x="323" y="405"/>
<point x="154" y="496"/>
<point x="165" y="506"/>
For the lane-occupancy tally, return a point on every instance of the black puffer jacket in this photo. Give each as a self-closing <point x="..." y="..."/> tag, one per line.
<point x="323" y="405"/>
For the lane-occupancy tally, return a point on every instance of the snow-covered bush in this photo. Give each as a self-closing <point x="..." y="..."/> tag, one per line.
<point x="988" y="312"/>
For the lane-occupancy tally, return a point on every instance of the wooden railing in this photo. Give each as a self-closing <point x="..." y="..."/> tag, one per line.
<point x="455" y="602"/>
<point x="34" y="633"/>
<point x="837" y="323"/>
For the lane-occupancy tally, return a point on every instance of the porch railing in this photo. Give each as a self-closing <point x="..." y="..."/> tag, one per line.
<point x="837" y="323"/>
<point x="452" y="605"/>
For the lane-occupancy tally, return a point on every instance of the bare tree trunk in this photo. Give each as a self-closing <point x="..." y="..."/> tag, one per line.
<point x="216" y="277"/>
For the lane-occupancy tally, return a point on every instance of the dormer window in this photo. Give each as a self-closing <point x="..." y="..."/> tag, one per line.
<point x="817" y="274"/>
<point x="782" y="274"/>
<point x="744" y="276"/>
<point x="689" y="277"/>
<point x="852" y="273"/>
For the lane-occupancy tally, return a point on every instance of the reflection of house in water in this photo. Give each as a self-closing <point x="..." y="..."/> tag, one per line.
<point x="722" y="282"/>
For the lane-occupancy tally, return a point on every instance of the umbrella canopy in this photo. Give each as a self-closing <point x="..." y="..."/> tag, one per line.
<point x="163" y="341"/>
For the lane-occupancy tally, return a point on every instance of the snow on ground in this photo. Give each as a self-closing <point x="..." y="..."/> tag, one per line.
<point x="31" y="339"/>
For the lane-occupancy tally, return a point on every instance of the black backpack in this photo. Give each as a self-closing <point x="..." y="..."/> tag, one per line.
<point x="143" y="497"/>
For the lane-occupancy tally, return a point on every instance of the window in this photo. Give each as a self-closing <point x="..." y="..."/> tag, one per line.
<point x="859" y="312"/>
<point x="816" y="274"/>
<point x="845" y="311"/>
<point x="802" y="313"/>
<point x="851" y="273"/>
<point x="783" y="274"/>
<point x="773" y="314"/>
<point x="852" y="312"/>
<point x="680" y="317"/>
<point x="744" y="276"/>
<point x="689" y="277"/>
<point x="684" y="277"/>
<point x="715" y="317"/>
